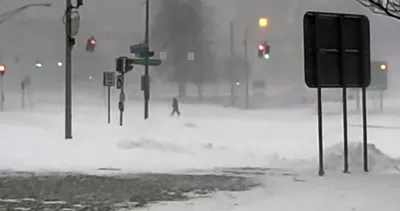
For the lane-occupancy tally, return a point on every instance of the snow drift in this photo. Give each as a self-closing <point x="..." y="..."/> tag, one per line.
<point x="377" y="160"/>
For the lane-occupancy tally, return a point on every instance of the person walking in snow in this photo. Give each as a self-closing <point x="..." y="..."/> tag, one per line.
<point x="175" y="107"/>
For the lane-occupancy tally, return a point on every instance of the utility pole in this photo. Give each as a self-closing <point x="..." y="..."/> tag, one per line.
<point x="68" y="71"/>
<point x="23" y="87"/>
<point x="122" y="100"/>
<point x="71" y="30"/>
<point x="3" y="70"/>
<point x="146" y="91"/>
<point x="231" y="66"/>
<point x="2" y="93"/>
<point x="247" y="71"/>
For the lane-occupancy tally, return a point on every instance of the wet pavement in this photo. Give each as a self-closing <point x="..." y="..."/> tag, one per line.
<point x="28" y="191"/>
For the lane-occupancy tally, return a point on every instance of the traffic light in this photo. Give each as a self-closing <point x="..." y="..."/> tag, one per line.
<point x="2" y="69"/>
<point x="383" y="67"/>
<point x="120" y="63"/>
<point x="38" y="65"/>
<point x="128" y="65"/>
<point x="261" y="49"/>
<point x="91" y="44"/>
<point x="120" y="81"/>
<point x="264" y="51"/>
<point x="123" y="64"/>
<point x="59" y="64"/>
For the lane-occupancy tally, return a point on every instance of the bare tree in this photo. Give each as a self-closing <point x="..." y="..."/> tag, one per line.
<point x="389" y="8"/>
<point x="181" y="27"/>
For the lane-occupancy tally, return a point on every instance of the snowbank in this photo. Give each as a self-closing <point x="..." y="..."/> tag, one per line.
<point x="377" y="160"/>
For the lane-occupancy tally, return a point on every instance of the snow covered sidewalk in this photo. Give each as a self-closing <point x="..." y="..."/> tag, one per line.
<point x="354" y="192"/>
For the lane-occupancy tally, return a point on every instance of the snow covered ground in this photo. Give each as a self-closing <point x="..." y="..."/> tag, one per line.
<point x="206" y="137"/>
<point x="283" y="190"/>
<point x="310" y="193"/>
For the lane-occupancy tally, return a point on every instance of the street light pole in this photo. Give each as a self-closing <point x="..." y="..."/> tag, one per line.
<point x="146" y="91"/>
<point x="231" y="66"/>
<point x="246" y="63"/>
<point x="7" y="15"/>
<point x="71" y="30"/>
<point x="68" y="71"/>
<point x="263" y="23"/>
<point x="1" y="93"/>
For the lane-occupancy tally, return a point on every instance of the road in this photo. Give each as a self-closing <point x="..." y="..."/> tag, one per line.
<point x="87" y="192"/>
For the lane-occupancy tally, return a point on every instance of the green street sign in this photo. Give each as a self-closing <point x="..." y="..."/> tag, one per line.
<point x="139" y="48"/>
<point x="145" y="54"/>
<point x="151" y="62"/>
<point x="379" y="76"/>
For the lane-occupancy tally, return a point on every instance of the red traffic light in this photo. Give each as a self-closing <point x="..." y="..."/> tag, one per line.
<point x="2" y="70"/>
<point x="261" y="47"/>
<point x="90" y="44"/>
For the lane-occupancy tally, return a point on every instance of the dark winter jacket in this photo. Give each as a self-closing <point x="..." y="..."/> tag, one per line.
<point x="175" y="103"/>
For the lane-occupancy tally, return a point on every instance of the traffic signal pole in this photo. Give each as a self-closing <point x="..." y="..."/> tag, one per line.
<point x="231" y="71"/>
<point x="247" y="70"/>
<point x="2" y="93"/>
<point x="121" y="105"/>
<point x="146" y="91"/>
<point x="68" y="71"/>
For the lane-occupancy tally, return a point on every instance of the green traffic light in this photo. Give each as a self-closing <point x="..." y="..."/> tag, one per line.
<point x="60" y="64"/>
<point x="266" y="56"/>
<point x="38" y="65"/>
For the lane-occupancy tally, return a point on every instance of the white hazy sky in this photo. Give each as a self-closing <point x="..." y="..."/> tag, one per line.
<point x="120" y="18"/>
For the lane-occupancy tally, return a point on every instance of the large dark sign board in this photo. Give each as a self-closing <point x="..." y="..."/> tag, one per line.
<point x="337" y="55"/>
<point x="336" y="44"/>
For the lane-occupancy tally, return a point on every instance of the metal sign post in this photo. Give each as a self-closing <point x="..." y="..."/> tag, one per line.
<point x="109" y="81"/>
<point x="337" y="60"/>
<point x="121" y="103"/>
